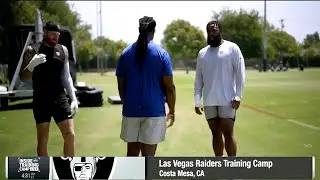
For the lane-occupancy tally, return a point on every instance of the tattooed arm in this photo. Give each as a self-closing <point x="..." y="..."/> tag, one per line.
<point x="25" y="74"/>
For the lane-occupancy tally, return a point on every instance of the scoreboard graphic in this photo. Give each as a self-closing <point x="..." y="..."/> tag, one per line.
<point x="89" y="168"/>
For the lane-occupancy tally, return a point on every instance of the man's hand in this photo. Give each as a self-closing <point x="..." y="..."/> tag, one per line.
<point x="198" y="109"/>
<point x="170" y="120"/>
<point x="35" y="61"/>
<point x="235" y="103"/>
<point x="74" y="107"/>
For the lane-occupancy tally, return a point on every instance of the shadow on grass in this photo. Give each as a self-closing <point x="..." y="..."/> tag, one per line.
<point x="18" y="106"/>
<point x="27" y="104"/>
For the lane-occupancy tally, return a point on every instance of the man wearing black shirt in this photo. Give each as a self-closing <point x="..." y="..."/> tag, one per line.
<point x="47" y="64"/>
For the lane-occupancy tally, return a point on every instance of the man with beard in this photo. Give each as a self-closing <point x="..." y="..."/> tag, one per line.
<point x="220" y="76"/>
<point x="47" y="64"/>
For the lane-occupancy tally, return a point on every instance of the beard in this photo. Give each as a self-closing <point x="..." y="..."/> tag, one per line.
<point x="215" y="42"/>
<point x="48" y="41"/>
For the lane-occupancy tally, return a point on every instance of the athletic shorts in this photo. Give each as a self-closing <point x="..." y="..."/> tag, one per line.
<point x="144" y="130"/>
<point x="219" y="112"/>
<point x="59" y="109"/>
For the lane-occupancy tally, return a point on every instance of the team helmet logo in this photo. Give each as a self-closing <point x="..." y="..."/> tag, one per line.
<point x="83" y="168"/>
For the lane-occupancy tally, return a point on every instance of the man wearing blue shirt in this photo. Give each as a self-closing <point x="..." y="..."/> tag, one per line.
<point x="145" y="80"/>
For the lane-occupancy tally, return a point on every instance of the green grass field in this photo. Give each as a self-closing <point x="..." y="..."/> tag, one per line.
<point x="278" y="117"/>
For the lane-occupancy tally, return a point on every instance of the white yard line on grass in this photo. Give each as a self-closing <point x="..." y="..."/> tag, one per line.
<point x="304" y="124"/>
<point x="283" y="118"/>
<point x="289" y="120"/>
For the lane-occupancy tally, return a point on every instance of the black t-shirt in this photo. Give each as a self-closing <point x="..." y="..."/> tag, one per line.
<point x="47" y="82"/>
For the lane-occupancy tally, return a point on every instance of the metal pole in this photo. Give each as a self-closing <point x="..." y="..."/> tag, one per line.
<point x="16" y="73"/>
<point x="281" y="53"/>
<point x="265" y="38"/>
<point x="100" y="14"/>
<point x="98" y="55"/>
<point x="38" y="27"/>
<point x="281" y="24"/>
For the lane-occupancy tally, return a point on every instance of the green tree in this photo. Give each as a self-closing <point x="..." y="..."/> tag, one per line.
<point x="119" y="47"/>
<point x="312" y="51"/>
<point x="85" y="53"/>
<point x="106" y="45"/>
<point x="311" y="39"/>
<point x="86" y="50"/>
<point x="14" y="12"/>
<point x="271" y="51"/>
<point x="24" y="12"/>
<point x="243" y="28"/>
<point x="110" y="50"/>
<point x="82" y="34"/>
<point x="183" y="40"/>
<point x="311" y="55"/>
<point x="61" y="12"/>
<point x="284" y="44"/>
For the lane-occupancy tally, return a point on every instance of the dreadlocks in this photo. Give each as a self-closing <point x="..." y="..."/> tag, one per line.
<point x="146" y="26"/>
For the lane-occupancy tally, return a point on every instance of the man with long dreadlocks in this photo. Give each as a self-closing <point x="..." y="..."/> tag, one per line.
<point x="145" y="80"/>
<point x="220" y="76"/>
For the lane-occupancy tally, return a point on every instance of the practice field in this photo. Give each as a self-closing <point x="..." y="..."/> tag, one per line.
<point x="278" y="117"/>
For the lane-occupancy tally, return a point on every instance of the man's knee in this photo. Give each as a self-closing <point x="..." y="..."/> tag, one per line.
<point x="215" y="127"/>
<point x="67" y="129"/>
<point x="68" y="135"/>
<point x="148" y="149"/>
<point x="133" y="148"/>
<point x="228" y="136"/>
<point x="43" y="132"/>
<point x="227" y="126"/>
<point x="216" y="134"/>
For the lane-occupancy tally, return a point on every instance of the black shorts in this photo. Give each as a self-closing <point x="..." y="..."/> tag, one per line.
<point x="44" y="109"/>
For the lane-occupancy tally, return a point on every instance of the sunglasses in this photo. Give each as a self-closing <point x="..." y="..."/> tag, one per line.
<point x="53" y="33"/>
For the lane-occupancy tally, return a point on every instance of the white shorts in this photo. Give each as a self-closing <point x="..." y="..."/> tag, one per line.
<point x="217" y="112"/>
<point x="145" y="130"/>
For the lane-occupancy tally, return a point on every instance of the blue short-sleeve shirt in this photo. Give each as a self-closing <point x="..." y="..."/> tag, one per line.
<point x="144" y="90"/>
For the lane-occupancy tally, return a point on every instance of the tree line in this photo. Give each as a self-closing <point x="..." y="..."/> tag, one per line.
<point x="182" y="39"/>
<point x="245" y="28"/>
<point x="15" y="12"/>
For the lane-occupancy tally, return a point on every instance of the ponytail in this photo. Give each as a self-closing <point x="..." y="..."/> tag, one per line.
<point x="146" y="25"/>
<point x="142" y="46"/>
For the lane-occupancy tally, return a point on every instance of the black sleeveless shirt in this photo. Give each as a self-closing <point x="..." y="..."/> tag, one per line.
<point x="47" y="77"/>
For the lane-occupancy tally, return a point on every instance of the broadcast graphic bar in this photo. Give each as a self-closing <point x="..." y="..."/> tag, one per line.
<point x="55" y="168"/>
<point x="230" y="168"/>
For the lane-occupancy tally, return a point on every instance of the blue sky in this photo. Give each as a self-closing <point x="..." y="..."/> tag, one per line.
<point x="120" y="18"/>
